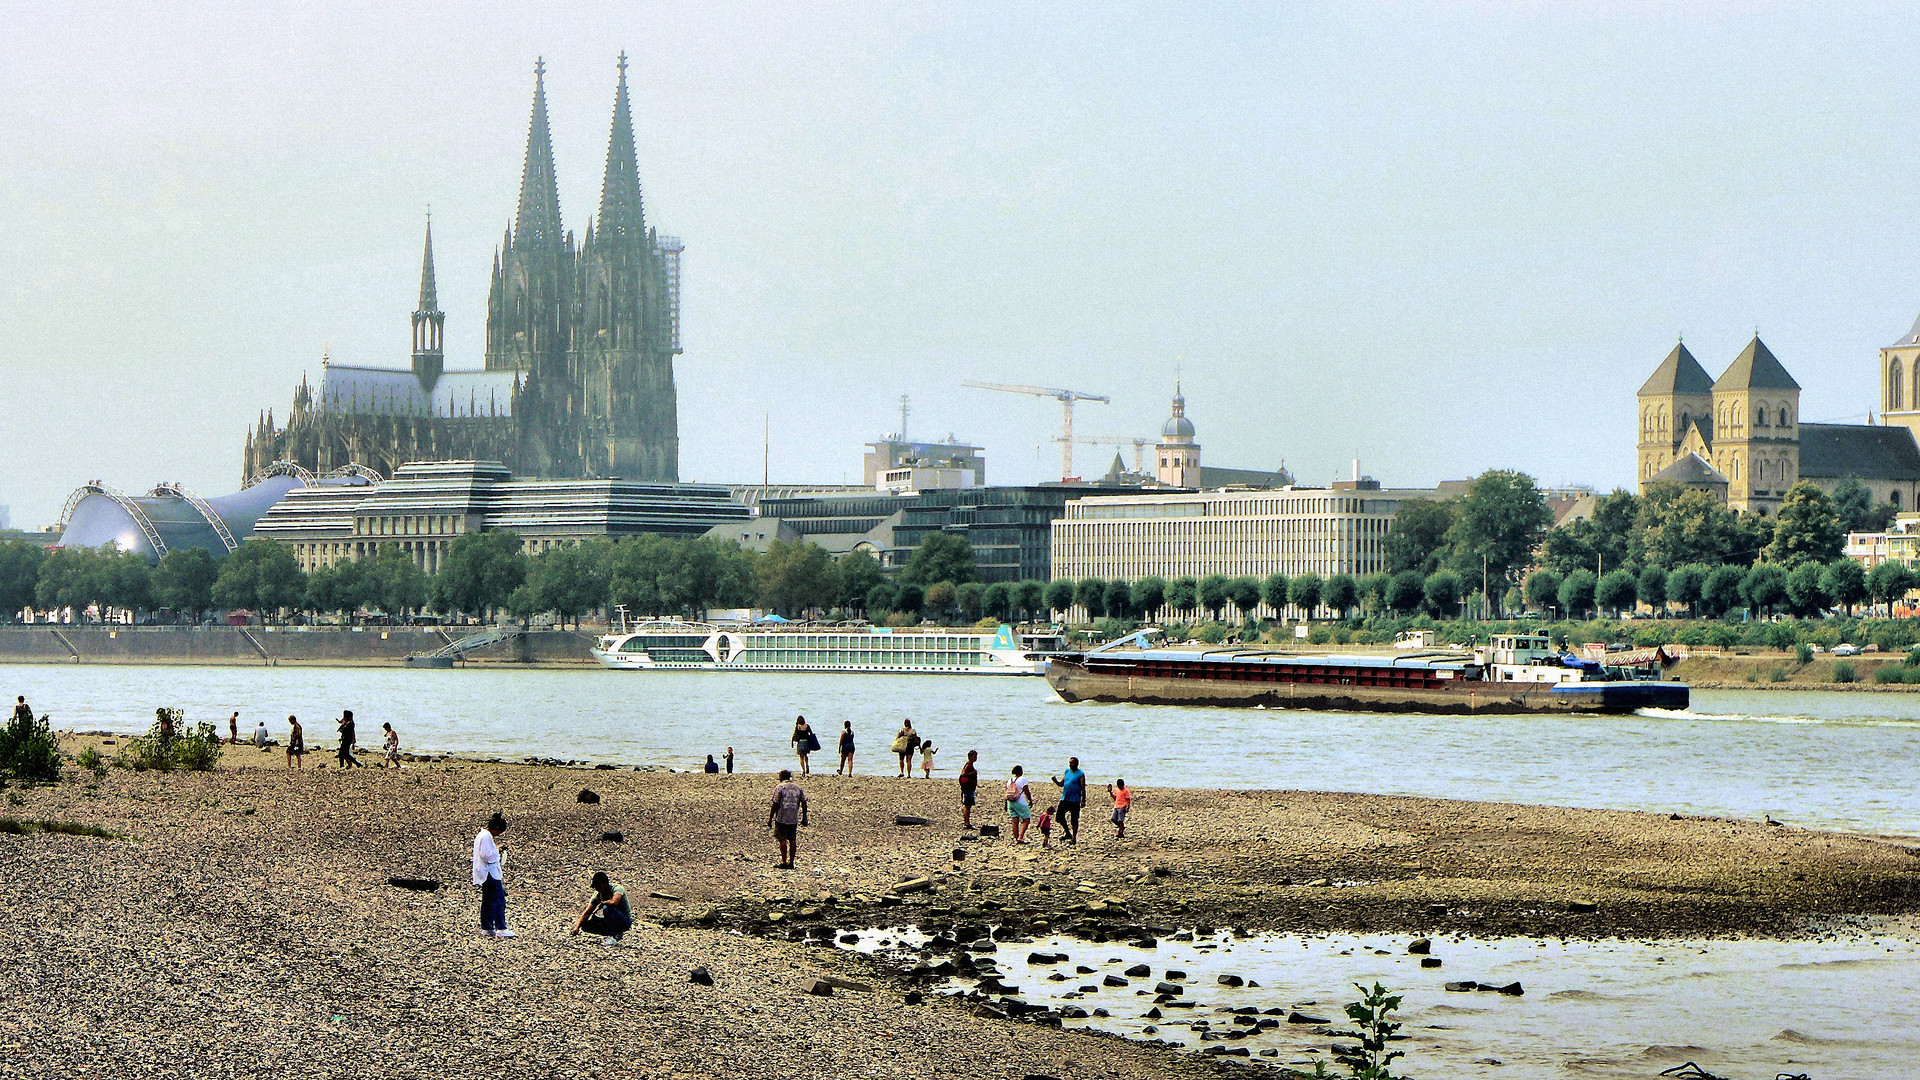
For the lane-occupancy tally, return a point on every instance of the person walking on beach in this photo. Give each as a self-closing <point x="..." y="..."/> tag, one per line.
<point x="846" y="749"/>
<point x="905" y="742"/>
<point x="969" y="787"/>
<point x="391" y="746"/>
<point x="785" y="816"/>
<point x="608" y="913"/>
<point x="488" y="879"/>
<point x="233" y="730"/>
<point x="1073" y="796"/>
<point x="729" y="761"/>
<point x="804" y="742"/>
<point x="345" y="753"/>
<point x="1019" y="804"/>
<point x="1045" y="822"/>
<point x="296" y="742"/>
<point x="22" y="712"/>
<point x="927" y="750"/>
<point x="1122" y="796"/>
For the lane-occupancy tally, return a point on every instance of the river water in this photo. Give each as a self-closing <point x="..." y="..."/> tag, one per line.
<point x="1817" y="759"/>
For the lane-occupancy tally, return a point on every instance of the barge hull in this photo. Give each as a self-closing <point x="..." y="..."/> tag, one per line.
<point x="1075" y="683"/>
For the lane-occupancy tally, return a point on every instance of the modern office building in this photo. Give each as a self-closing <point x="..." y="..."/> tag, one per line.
<point x="944" y="464"/>
<point x="1009" y="528"/>
<point x="1237" y="533"/>
<point x="426" y="506"/>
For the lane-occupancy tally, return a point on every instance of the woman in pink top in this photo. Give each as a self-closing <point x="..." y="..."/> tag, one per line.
<point x="1122" y="797"/>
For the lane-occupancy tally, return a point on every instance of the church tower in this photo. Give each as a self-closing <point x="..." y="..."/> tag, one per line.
<point x="1177" y="458"/>
<point x="1676" y="413"/>
<point x="529" y="298"/>
<point x="429" y="349"/>
<point x="1900" y="381"/>
<point x="1756" y="442"/>
<point x="624" y="346"/>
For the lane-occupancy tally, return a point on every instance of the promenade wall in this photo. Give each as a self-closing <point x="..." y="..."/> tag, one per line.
<point x="319" y="645"/>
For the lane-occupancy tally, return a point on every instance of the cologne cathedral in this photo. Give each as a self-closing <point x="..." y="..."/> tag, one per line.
<point x="581" y="338"/>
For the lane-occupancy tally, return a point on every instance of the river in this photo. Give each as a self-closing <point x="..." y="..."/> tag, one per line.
<point x="1811" y="758"/>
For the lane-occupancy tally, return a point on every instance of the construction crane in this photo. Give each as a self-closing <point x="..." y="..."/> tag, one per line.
<point x="1066" y="399"/>
<point x="1139" y="446"/>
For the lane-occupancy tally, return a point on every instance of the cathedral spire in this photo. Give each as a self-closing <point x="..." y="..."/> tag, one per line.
<point x="621" y="214"/>
<point x="538" y="219"/>
<point x="429" y="296"/>
<point x="429" y="323"/>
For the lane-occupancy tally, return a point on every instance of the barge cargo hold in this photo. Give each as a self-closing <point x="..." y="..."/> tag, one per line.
<point x="1516" y="674"/>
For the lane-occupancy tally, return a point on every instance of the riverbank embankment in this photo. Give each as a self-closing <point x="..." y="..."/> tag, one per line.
<point x="332" y="646"/>
<point x="244" y="921"/>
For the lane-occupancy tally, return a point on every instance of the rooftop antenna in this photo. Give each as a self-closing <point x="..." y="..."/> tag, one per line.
<point x="766" y="448"/>
<point x="903" y="418"/>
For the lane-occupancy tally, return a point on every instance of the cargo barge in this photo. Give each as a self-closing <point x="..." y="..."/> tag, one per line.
<point x="1515" y="673"/>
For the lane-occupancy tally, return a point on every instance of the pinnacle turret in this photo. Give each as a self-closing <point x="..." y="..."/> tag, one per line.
<point x="429" y="296"/>
<point x="537" y="222"/>
<point x="621" y="212"/>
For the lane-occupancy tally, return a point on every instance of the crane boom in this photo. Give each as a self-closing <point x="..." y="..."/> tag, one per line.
<point x="1066" y="399"/>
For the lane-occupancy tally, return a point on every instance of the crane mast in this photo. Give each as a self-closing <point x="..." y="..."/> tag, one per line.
<point x="1066" y="398"/>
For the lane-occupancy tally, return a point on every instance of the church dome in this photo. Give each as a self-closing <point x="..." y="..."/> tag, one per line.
<point x="1177" y="425"/>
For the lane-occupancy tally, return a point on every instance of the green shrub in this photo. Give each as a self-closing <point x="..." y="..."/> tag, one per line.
<point x="1724" y="636"/>
<point x="1342" y="635"/>
<point x="1778" y="674"/>
<point x="1375" y="1028"/>
<point x="1212" y="633"/>
<point x="1843" y="672"/>
<point x="1894" y="636"/>
<point x="197" y="751"/>
<point x="1780" y="636"/>
<point x="1890" y="673"/>
<point x="1319" y="635"/>
<point x="1803" y="653"/>
<point x="29" y="751"/>
<point x="91" y="760"/>
<point x="21" y="826"/>
<point x="1692" y="635"/>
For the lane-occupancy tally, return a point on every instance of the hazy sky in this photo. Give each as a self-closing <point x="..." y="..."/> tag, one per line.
<point x="1445" y="237"/>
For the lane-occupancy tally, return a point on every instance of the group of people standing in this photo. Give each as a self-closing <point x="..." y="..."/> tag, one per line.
<point x="1064" y="812"/>
<point x="344" y="754"/>
<point x="906" y="742"/>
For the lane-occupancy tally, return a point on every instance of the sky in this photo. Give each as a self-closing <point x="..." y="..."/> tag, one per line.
<point x="1440" y="238"/>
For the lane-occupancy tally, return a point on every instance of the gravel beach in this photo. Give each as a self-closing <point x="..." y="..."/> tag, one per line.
<point x="242" y="923"/>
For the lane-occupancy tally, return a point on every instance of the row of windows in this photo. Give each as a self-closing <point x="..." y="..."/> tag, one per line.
<point x="410" y="524"/>
<point x="1730" y="416"/>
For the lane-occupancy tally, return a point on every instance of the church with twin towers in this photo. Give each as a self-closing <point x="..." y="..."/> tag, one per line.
<point x="581" y="336"/>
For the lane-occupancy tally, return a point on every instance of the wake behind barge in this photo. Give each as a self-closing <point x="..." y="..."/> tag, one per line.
<point x="1516" y="673"/>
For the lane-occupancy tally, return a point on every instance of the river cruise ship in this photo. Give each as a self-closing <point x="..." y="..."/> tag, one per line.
<point x="674" y="645"/>
<point x="1515" y="673"/>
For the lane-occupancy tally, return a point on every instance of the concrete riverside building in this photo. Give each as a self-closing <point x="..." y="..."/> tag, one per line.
<point x="1325" y="531"/>
<point x="428" y="505"/>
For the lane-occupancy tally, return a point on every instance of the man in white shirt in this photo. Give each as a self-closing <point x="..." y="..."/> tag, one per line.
<point x="486" y="875"/>
<point x="260" y="735"/>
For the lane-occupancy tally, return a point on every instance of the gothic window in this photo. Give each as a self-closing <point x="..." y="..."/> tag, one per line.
<point x="1894" y="498"/>
<point x="1663" y="418"/>
<point x="1760" y="416"/>
<point x="1915" y="382"/>
<point x="1895" y="397"/>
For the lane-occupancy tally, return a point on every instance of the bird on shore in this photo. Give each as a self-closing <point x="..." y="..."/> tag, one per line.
<point x="1770" y="820"/>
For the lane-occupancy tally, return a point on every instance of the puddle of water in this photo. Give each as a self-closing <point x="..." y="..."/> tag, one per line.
<point x="1846" y="1008"/>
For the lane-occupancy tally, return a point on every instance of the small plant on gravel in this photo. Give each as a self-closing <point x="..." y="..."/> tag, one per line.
<point x="164" y="748"/>
<point x="22" y="826"/>
<point x="1778" y="674"/>
<point x="1843" y="672"/>
<point x="91" y="760"/>
<point x="1803" y="653"/>
<point x="29" y="751"/>
<point x="1372" y="1016"/>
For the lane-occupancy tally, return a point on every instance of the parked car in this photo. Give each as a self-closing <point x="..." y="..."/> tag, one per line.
<point x="1843" y="649"/>
<point x="1869" y="648"/>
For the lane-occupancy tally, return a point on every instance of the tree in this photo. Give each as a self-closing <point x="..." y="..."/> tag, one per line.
<point x="1853" y="502"/>
<point x="1214" y="594"/>
<point x="859" y="573"/>
<point x="1118" y="599"/>
<point x="19" y="573"/>
<point x="1684" y="585"/>
<point x="569" y="580"/>
<point x="1567" y="548"/>
<point x="1679" y="525"/>
<point x="1497" y="525"/>
<point x="940" y="557"/>
<point x="1653" y="588"/>
<point x="1577" y="592"/>
<point x="1609" y="537"/>
<point x="1342" y="592"/>
<point x="1091" y="595"/>
<point x="880" y="599"/>
<point x="482" y="569"/>
<point x="1304" y="592"/>
<point x="184" y="580"/>
<point x="262" y="575"/>
<point x="1720" y="592"/>
<point x="1059" y="596"/>
<point x="1441" y="591"/>
<point x="794" y="577"/>
<point x="999" y="599"/>
<point x="1405" y="592"/>
<point x="1417" y="539"/>
<point x="1764" y="586"/>
<point x="1277" y="590"/>
<point x="1886" y="583"/>
<point x="1183" y="594"/>
<point x="1616" y="591"/>
<point x="1807" y="527"/>
<point x="908" y="598"/>
<point x="971" y="599"/>
<point x="1149" y="593"/>
<point x="1543" y="588"/>
<point x="1845" y="581"/>
<point x="1031" y="595"/>
<point x="1245" y="594"/>
<point x="1374" y="589"/>
<point x="942" y="596"/>
<point x="1807" y="589"/>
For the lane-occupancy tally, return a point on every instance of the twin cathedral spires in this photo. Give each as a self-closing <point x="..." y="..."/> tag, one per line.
<point x="578" y="379"/>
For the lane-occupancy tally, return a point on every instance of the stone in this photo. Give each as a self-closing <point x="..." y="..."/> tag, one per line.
<point x="914" y="997"/>
<point x="1420" y="946"/>
<point x="846" y="984"/>
<point x="989" y="830"/>
<point x="1058" y="976"/>
<point x="1138" y="971"/>
<point x="417" y="884"/>
<point x="1154" y="1013"/>
<point x="1583" y="907"/>
<point x="665" y="896"/>
<point x="1319" y="883"/>
<point x="1175" y="973"/>
<point x="1512" y="989"/>
<point x="914" y="885"/>
<point x="910" y="819"/>
<point x="849" y="939"/>
<point x="959" y="854"/>
<point x="1232" y="980"/>
<point x="1085" y="970"/>
<point x="988" y="1012"/>
<point x="1045" y="957"/>
<point x="1074" y="1012"/>
<point x="1463" y="987"/>
<point x="614" y="836"/>
<point x="1429" y="961"/>
<point x="1113" y="980"/>
<point x="587" y="795"/>
<point x="1303" y="1018"/>
<point x="820" y="988"/>
<point x="1169" y="989"/>
<point x="701" y="976"/>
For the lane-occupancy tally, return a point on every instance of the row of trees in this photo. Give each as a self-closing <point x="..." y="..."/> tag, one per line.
<point x="1810" y="588"/>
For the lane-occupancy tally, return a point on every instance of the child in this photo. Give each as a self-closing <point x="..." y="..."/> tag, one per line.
<point x="1122" y="797"/>
<point x="1045" y="821"/>
<point x="927" y="751"/>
